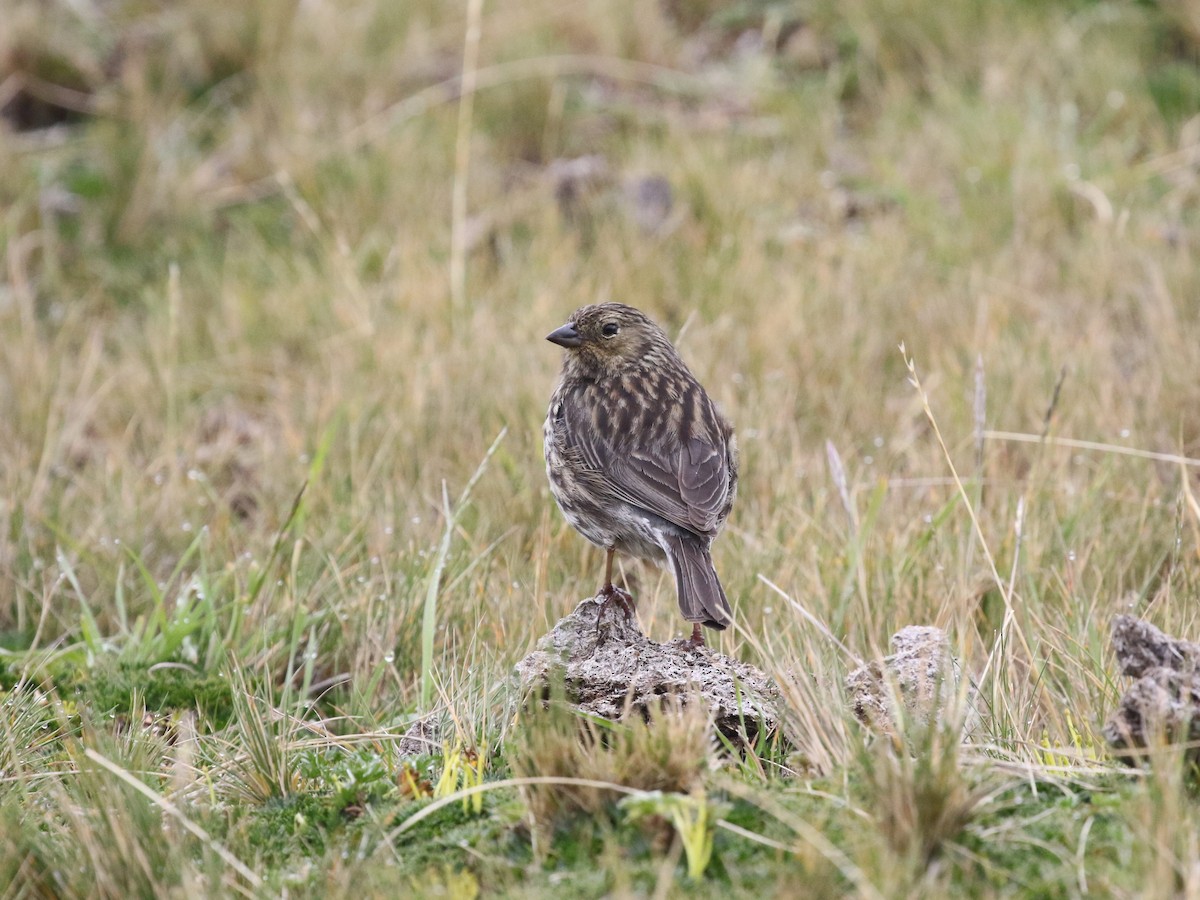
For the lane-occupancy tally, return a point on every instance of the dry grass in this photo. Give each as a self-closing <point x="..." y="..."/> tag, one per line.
<point x="668" y="752"/>
<point x="245" y="270"/>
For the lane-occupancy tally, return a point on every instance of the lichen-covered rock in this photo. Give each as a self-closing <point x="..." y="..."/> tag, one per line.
<point x="1158" y="707"/>
<point x="608" y="667"/>
<point x="1164" y="703"/>
<point x="920" y="669"/>
<point x="1141" y="648"/>
<point x="424" y="736"/>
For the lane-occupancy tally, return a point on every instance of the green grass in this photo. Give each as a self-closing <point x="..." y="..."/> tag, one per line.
<point x="271" y="486"/>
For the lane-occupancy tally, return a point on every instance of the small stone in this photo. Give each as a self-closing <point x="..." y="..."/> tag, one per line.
<point x="921" y="669"/>
<point x="1159" y="707"/>
<point x="649" y="202"/>
<point x="1164" y="703"/>
<point x="423" y="737"/>
<point x="574" y="180"/>
<point x="1141" y="648"/>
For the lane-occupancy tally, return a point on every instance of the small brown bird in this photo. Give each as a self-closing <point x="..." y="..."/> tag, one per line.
<point x="639" y="458"/>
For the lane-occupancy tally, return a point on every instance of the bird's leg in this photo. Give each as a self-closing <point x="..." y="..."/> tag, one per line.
<point x="608" y="585"/>
<point x="697" y="635"/>
<point x="611" y="592"/>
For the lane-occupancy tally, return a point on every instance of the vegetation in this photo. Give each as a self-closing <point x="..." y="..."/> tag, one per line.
<point x="275" y="280"/>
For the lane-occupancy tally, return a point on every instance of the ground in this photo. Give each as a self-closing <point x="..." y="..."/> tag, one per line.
<point x="275" y="281"/>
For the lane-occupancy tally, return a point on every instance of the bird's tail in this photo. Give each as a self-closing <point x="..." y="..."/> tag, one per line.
<point x="701" y="597"/>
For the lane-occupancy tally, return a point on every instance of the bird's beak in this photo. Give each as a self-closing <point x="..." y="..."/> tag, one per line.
<point x="566" y="336"/>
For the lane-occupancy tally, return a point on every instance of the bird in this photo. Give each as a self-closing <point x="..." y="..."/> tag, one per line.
<point x="639" y="458"/>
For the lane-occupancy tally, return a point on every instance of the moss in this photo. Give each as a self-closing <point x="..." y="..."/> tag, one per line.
<point x="1029" y="841"/>
<point x="112" y="688"/>
<point x="1175" y="88"/>
<point x="296" y="825"/>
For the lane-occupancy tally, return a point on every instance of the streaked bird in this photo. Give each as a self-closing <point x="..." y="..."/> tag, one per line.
<point x="639" y="458"/>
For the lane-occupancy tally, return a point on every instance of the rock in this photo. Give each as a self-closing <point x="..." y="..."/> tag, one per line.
<point x="609" y="667"/>
<point x="920" y="668"/>
<point x="424" y="736"/>
<point x="649" y="202"/>
<point x="1164" y="702"/>
<point x="1158" y="707"/>
<point x="1141" y="648"/>
<point x="574" y="180"/>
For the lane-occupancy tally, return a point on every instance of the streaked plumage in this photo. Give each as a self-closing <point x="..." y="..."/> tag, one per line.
<point x="639" y="458"/>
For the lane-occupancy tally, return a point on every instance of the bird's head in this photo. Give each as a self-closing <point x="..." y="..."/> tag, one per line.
<point x="610" y="337"/>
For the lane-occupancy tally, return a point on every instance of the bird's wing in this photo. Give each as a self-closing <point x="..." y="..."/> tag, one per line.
<point x="683" y="480"/>
<point x="687" y="485"/>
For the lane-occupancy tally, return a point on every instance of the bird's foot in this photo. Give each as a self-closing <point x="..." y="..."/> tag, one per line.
<point x="697" y="639"/>
<point x="609" y="595"/>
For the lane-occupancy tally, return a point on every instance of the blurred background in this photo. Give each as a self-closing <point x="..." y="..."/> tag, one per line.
<point x="250" y="246"/>
<point x="274" y="284"/>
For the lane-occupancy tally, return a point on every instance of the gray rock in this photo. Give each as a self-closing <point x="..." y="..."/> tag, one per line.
<point x="608" y="667"/>
<point x="649" y="202"/>
<point x="575" y="180"/>
<point x="1164" y="703"/>
<point x="1141" y="648"/>
<point x="424" y="736"/>
<point x="920" y="672"/>
<point x="1158" y="707"/>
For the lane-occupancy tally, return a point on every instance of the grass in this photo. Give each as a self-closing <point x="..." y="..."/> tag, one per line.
<point x="274" y="284"/>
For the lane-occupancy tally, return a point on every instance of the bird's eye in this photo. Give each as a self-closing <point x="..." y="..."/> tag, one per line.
<point x="609" y="329"/>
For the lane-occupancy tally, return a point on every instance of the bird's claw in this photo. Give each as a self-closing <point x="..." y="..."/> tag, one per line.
<point x="610" y="594"/>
